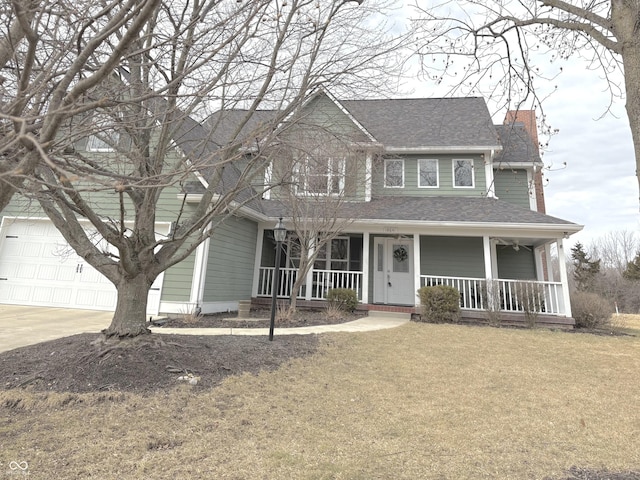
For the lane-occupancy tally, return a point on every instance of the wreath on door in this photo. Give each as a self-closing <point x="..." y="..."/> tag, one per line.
<point x="400" y="254"/>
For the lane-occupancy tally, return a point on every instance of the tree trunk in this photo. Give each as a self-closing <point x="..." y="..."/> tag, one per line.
<point x="130" y="317"/>
<point x="631" y="60"/>
<point x="625" y="17"/>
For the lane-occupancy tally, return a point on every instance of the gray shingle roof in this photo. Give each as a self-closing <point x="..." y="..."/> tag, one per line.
<point x="517" y="146"/>
<point x="426" y="122"/>
<point x="223" y="124"/>
<point x="434" y="209"/>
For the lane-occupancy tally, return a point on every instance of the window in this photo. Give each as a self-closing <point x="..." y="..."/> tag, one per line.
<point x="104" y="138"/>
<point x="428" y="173"/>
<point x="323" y="176"/>
<point x="463" y="173"/>
<point x="394" y="173"/>
<point x="333" y="255"/>
<point x="340" y="254"/>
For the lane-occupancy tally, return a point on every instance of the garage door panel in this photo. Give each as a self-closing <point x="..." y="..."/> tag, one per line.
<point x="27" y="272"/>
<point x="15" y="293"/>
<point x="96" y="299"/>
<point x="8" y="269"/>
<point x="42" y="294"/>
<point x="32" y="249"/>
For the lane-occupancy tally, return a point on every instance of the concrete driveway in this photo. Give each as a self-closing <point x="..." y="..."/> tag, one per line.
<point x="20" y="326"/>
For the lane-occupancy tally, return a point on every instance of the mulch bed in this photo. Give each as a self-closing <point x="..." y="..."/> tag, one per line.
<point x="148" y="364"/>
<point x="151" y="363"/>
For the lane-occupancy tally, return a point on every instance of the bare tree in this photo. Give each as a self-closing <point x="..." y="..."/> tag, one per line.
<point x="498" y="47"/>
<point x="616" y="249"/>
<point x="144" y="81"/>
<point x="326" y="168"/>
<point x="51" y="55"/>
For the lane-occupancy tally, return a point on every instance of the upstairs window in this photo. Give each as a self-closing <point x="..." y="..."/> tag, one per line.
<point x="324" y="176"/>
<point x="428" y="173"/>
<point x="394" y="173"/>
<point x="104" y="138"/>
<point x="463" y="173"/>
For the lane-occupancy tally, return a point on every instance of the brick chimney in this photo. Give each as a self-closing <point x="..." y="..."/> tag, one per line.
<point x="528" y="119"/>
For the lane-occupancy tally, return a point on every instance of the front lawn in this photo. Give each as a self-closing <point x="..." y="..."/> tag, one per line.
<point x="420" y="401"/>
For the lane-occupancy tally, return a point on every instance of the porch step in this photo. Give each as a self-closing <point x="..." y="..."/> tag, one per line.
<point x="398" y="315"/>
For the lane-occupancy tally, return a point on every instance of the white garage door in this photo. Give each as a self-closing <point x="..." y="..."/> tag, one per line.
<point x="39" y="268"/>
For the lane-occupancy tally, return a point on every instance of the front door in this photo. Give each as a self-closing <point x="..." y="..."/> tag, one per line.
<point x="393" y="278"/>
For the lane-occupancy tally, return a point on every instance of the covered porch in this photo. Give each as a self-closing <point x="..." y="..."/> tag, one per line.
<point x="508" y="270"/>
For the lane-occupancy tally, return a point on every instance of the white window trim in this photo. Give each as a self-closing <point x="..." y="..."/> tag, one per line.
<point x="268" y="175"/>
<point x="103" y="124"/>
<point x="95" y="138"/>
<point x="302" y="184"/>
<point x="437" y="162"/>
<point x="453" y="172"/>
<point x="386" y="161"/>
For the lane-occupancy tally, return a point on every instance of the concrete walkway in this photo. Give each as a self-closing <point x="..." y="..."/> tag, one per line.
<point x="21" y="326"/>
<point x="364" y="324"/>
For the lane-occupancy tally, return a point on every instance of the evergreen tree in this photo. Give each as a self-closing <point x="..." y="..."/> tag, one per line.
<point x="585" y="269"/>
<point x="632" y="272"/>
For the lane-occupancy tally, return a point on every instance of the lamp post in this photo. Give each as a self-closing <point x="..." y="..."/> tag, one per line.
<point x="279" y="233"/>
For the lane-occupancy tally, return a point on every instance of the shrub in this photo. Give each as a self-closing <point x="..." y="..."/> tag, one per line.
<point x="440" y="304"/>
<point x="344" y="299"/>
<point x="590" y="310"/>
<point x="530" y="298"/>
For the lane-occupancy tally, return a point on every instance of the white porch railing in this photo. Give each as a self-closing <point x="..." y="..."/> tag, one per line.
<point x="506" y="295"/>
<point x="323" y="280"/>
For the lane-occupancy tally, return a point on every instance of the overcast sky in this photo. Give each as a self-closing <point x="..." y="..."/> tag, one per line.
<point x="597" y="188"/>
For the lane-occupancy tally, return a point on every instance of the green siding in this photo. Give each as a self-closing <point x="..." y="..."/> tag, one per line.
<point x="516" y="265"/>
<point x="445" y="167"/>
<point x="512" y="185"/>
<point x="452" y="256"/>
<point x="324" y="113"/>
<point x="176" y="286"/>
<point x="231" y="261"/>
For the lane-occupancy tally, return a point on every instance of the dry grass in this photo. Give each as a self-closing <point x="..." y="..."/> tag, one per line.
<point x="420" y="401"/>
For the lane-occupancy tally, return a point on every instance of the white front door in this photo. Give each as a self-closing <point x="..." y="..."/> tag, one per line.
<point x="393" y="267"/>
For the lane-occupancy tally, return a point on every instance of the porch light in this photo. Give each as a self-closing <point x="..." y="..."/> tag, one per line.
<point x="279" y="233"/>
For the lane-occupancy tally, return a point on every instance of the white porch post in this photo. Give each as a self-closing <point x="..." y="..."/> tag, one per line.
<point x="488" y="258"/>
<point x="562" y="267"/>
<point x="309" y="280"/>
<point x="416" y="268"/>
<point x="537" y="254"/>
<point x="365" y="267"/>
<point x="549" y="260"/>
<point x="488" y="271"/>
<point x="257" y="261"/>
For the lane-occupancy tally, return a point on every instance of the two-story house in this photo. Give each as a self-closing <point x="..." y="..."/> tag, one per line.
<point x="436" y="194"/>
<point x="430" y="191"/>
